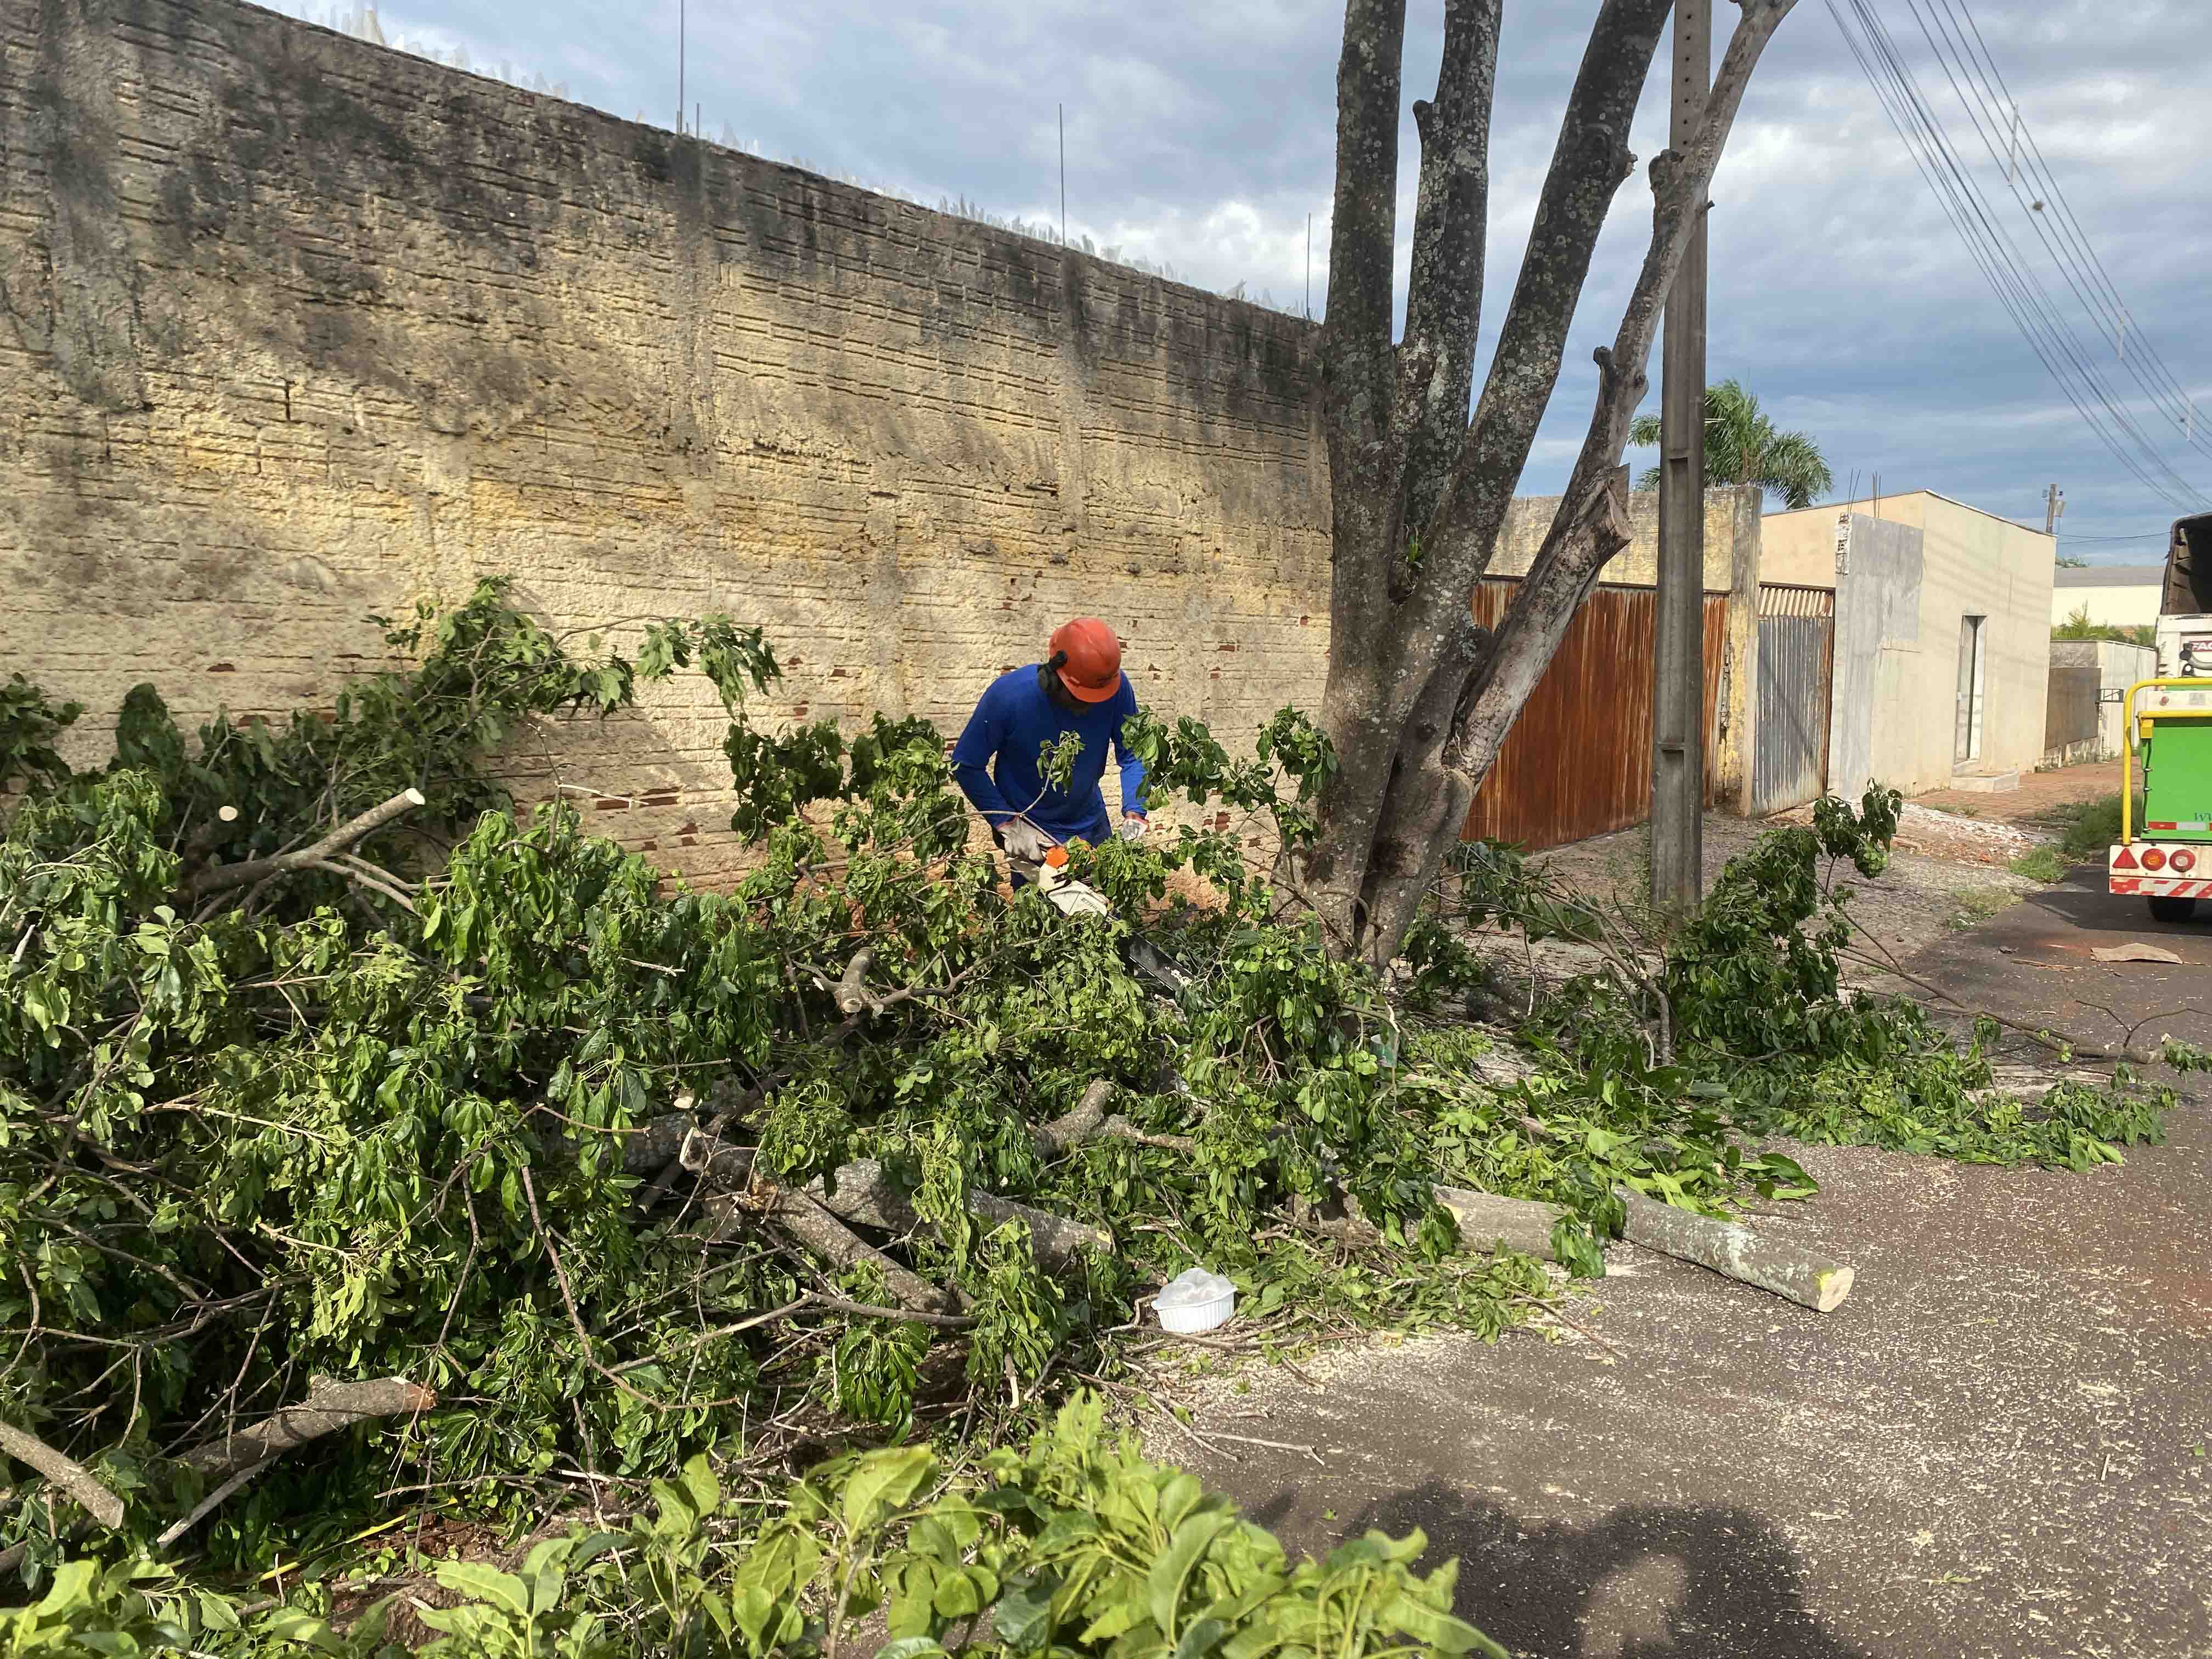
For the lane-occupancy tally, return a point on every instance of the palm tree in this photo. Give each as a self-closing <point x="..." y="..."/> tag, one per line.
<point x="1743" y="446"/>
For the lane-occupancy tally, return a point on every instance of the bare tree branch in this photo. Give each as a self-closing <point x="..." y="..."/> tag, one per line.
<point x="222" y="877"/>
<point x="1589" y="164"/>
<point x="1443" y="299"/>
<point x="1591" y="524"/>
<point x="66" y="1474"/>
<point x="328" y="1407"/>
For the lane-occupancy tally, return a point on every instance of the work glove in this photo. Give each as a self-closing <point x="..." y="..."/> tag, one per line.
<point x="1132" y="826"/>
<point x="1024" y="840"/>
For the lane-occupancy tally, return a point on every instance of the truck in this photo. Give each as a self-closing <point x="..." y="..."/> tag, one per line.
<point x="2164" y="854"/>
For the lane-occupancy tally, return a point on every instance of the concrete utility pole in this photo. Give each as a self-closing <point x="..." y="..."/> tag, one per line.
<point x="1678" y="702"/>
<point x="2054" y="509"/>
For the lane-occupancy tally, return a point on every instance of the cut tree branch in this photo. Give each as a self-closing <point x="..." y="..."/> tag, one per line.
<point x="852" y="992"/>
<point x="805" y="1220"/>
<point x="222" y="877"/>
<point x="1735" y="1252"/>
<point x="328" y="1407"/>
<point x="66" y="1473"/>
<point x="863" y="1191"/>
<point x="1056" y="1138"/>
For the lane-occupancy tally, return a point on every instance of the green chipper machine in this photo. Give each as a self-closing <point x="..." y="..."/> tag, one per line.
<point x="2165" y="851"/>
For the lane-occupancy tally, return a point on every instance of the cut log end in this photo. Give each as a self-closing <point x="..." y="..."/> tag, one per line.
<point x="1736" y="1252"/>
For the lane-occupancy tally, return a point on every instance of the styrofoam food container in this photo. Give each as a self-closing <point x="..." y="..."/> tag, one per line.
<point x="1195" y="1300"/>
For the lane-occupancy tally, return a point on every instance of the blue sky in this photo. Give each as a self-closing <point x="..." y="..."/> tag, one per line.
<point x="1199" y="136"/>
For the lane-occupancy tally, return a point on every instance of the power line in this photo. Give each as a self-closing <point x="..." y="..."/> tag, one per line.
<point x="2072" y="252"/>
<point x="2071" y="225"/>
<point x="2021" y="293"/>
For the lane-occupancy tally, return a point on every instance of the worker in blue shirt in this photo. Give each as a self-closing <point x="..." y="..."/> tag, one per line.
<point x="1078" y="689"/>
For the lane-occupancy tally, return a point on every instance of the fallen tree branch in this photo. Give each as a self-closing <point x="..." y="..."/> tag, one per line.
<point x="357" y="871"/>
<point x="222" y="877"/>
<point x="1486" y="1221"/>
<point x="807" y="1221"/>
<point x="1735" y="1251"/>
<point x="852" y="992"/>
<point x="868" y="1310"/>
<point x="674" y="1167"/>
<point x="66" y="1473"/>
<point x="328" y="1407"/>
<point x="863" y="1191"/>
<point x="1122" y="1128"/>
<point x="178" y="1530"/>
<point x="1053" y="1139"/>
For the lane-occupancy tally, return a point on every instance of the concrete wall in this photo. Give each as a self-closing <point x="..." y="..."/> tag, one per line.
<point x="297" y="328"/>
<point x="2088" y="727"/>
<point x="2108" y="599"/>
<point x="1878" y="598"/>
<point x="1732" y="534"/>
<point x="1973" y="564"/>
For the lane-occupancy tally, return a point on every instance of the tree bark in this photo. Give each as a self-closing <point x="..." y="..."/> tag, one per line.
<point x="1486" y="1221"/>
<point x="222" y="877"/>
<point x="1053" y="1139"/>
<point x="862" y="1191"/>
<point x="805" y="1220"/>
<point x="1735" y="1251"/>
<point x="328" y="1407"/>
<point x="1397" y="656"/>
<point x="1444" y="306"/>
<point x="65" y="1474"/>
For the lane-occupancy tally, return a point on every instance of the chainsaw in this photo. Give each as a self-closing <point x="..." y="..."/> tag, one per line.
<point x="1072" y="897"/>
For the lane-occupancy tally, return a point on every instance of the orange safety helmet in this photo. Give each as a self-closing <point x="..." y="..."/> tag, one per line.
<point x="1087" y="655"/>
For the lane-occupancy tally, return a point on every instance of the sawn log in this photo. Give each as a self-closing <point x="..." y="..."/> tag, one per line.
<point x="1735" y="1251"/>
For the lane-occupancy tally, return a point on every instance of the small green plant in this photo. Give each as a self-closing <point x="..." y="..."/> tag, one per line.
<point x="1976" y="905"/>
<point x="2039" y="863"/>
<point x="2078" y="626"/>
<point x="1075" y="1545"/>
<point x="2087" y="828"/>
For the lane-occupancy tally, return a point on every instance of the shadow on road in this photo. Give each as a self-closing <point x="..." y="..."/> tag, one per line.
<point x="2083" y="900"/>
<point x="1648" y="1582"/>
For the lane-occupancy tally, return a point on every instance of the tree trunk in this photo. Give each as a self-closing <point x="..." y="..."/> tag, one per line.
<point x="1417" y="704"/>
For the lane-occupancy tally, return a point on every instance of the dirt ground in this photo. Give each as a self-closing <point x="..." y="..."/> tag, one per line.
<point x="1947" y="873"/>
<point x="2001" y="1445"/>
<point x="2039" y="794"/>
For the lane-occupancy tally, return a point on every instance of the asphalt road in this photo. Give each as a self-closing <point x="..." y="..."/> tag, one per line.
<point x="2001" y="1445"/>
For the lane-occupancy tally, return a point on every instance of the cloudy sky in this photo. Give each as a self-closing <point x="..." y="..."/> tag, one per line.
<point x="1199" y="135"/>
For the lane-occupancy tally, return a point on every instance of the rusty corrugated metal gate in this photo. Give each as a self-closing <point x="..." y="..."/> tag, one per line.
<point x="2071" y="713"/>
<point x="1797" y="664"/>
<point x="1578" y="761"/>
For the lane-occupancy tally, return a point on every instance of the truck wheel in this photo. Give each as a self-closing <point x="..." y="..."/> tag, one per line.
<point x="2174" y="909"/>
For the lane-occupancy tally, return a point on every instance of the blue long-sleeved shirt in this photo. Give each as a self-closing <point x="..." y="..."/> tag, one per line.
<point x="995" y="762"/>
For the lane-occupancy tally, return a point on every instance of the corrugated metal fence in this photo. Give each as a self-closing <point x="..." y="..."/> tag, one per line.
<point x="1578" y="761"/>
<point x="1796" y="663"/>
<point x="2071" y="715"/>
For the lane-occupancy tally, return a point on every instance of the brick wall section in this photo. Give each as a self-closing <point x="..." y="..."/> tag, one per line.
<point x="299" y="329"/>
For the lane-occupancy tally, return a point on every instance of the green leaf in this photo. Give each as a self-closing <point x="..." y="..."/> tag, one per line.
<point x="699" y="1479"/>
<point x="482" y="1583"/>
<point x="1199" y="1638"/>
<point x="957" y="1597"/>
<point x="1164" y="1586"/>
<point x="882" y="1483"/>
<point x="1022" y="1616"/>
<point x="911" y="1647"/>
